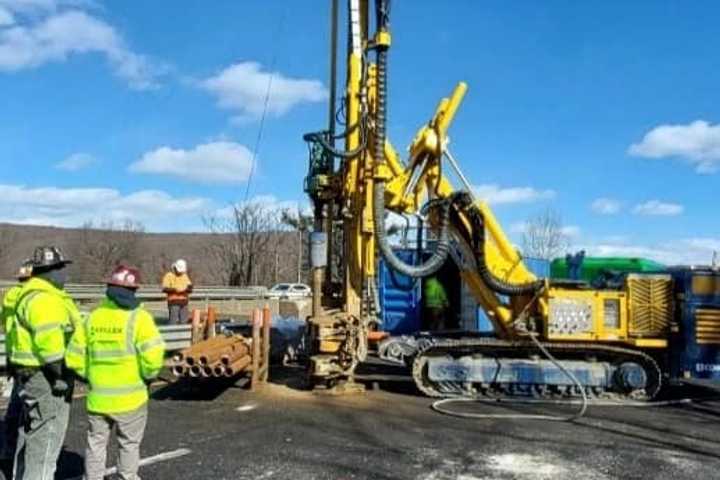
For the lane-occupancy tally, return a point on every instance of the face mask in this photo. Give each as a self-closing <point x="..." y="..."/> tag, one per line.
<point x="123" y="297"/>
<point x="57" y="277"/>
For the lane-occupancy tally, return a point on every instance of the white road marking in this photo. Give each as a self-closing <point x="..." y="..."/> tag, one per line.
<point x="246" y="408"/>
<point x="161" y="457"/>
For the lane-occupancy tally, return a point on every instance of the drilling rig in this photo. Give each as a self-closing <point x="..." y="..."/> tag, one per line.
<point x="551" y="337"/>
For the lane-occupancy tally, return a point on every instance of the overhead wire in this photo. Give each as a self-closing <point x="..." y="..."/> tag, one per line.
<point x="266" y="103"/>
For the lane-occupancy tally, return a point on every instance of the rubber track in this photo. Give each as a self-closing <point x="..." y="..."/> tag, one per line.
<point x="477" y="345"/>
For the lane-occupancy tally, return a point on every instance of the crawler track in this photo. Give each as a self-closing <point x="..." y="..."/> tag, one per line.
<point x="494" y="348"/>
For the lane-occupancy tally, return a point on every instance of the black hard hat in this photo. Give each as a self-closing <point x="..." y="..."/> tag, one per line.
<point x="48" y="258"/>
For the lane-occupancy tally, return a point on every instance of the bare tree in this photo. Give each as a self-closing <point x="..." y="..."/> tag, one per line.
<point x="543" y="236"/>
<point x="7" y="239"/>
<point x="102" y="247"/>
<point x="243" y="245"/>
<point x="302" y="224"/>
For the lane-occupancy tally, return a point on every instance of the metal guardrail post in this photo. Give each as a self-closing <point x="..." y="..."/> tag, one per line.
<point x="196" y="323"/>
<point x="267" y="321"/>
<point x="210" y="322"/>
<point x="256" y="348"/>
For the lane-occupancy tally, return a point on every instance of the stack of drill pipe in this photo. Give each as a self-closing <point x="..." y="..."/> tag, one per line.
<point x="223" y="356"/>
<point x="190" y="351"/>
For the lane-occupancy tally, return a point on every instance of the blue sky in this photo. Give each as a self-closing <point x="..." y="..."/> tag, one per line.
<point x="606" y="112"/>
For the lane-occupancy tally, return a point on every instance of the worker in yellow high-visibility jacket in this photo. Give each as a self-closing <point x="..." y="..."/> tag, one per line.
<point x="14" y="408"/>
<point x="436" y="304"/>
<point x="119" y="351"/>
<point x="44" y="319"/>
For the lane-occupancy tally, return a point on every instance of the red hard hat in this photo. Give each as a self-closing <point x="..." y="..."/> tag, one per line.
<point x="123" y="276"/>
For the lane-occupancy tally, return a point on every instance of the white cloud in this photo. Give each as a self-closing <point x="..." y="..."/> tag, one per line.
<point x="569" y="231"/>
<point x="76" y="161"/>
<point x="214" y="162"/>
<point x="518" y="227"/>
<point x="243" y="87"/>
<point x="47" y="32"/>
<point x="496" y="195"/>
<point x="684" y="251"/>
<point x="6" y="17"/>
<point x="70" y="207"/>
<point x="707" y="244"/>
<point x="656" y="207"/>
<point x="606" y="206"/>
<point x="269" y="202"/>
<point x="39" y="6"/>
<point x="697" y="143"/>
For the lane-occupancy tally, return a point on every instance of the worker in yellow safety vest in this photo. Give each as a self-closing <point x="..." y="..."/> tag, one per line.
<point x="119" y="352"/>
<point x="12" y="414"/>
<point x="45" y="316"/>
<point x="436" y="304"/>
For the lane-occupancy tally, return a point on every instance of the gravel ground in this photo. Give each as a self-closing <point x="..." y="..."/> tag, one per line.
<point x="283" y="432"/>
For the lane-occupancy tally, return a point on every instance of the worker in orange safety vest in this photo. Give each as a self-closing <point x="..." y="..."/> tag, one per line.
<point x="177" y="286"/>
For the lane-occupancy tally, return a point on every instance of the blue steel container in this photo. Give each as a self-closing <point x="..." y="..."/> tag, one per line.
<point x="697" y="285"/>
<point x="400" y="297"/>
<point x="695" y="346"/>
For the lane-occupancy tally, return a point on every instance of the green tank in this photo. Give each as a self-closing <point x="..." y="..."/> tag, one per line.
<point x="592" y="266"/>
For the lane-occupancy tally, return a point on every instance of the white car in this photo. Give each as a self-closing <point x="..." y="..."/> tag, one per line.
<point x="289" y="290"/>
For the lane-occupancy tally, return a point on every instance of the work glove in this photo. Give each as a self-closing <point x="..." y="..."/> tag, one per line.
<point x="54" y="375"/>
<point x="60" y="387"/>
<point x="53" y="371"/>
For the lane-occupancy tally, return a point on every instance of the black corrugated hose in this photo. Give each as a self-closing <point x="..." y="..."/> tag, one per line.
<point x="463" y="201"/>
<point x="436" y="261"/>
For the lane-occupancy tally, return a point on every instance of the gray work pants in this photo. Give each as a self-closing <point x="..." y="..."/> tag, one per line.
<point x="11" y="423"/>
<point x="178" y="313"/>
<point x="42" y="429"/>
<point x="130" y="429"/>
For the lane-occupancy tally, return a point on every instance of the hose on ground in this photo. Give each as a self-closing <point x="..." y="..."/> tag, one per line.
<point x="522" y="328"/>
<point x="438" y="405"/>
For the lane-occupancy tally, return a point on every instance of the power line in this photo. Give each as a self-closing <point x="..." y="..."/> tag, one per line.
<point x="261" y="128"/>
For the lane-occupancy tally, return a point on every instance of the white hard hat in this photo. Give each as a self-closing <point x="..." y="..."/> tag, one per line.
<point x="180" y="266"/>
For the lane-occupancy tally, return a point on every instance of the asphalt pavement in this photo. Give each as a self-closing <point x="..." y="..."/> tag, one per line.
<point x="284" y="432"/>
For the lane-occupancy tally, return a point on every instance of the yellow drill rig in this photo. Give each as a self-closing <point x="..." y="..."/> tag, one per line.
<point x="609" y="340"/>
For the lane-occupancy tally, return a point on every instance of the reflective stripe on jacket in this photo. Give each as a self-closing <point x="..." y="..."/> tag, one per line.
<point x="44" y="316"/>
<point x="8" y="315"/>
<point x="116" y="350"/>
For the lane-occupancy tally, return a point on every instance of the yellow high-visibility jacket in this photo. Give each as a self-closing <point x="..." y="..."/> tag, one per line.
<point x="116" y="351"/>
<point x="434" y="294"/>
<point x="44" y="317"/>
<point x="8" y="315"/>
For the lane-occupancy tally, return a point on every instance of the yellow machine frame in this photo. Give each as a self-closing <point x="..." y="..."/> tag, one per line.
<point x="408" y="185"/>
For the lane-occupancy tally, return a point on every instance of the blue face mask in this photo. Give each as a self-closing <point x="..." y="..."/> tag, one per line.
<point x="123" y="297"/>
<point x="57" y="276"/>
